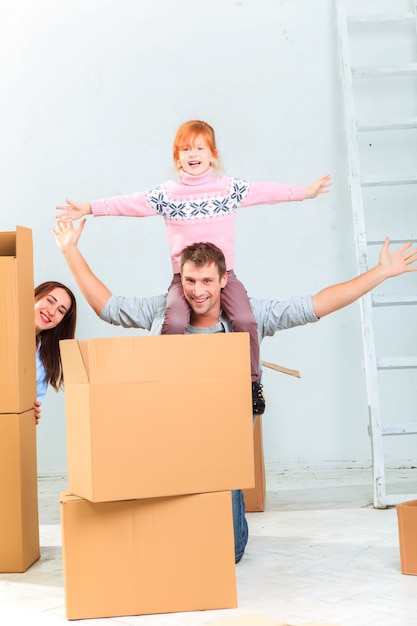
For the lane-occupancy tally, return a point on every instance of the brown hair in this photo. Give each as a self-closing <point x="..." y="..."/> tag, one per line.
<point x="204" y="254"/>
<point x="185" y="135"/>
<point x="49" y="339"/>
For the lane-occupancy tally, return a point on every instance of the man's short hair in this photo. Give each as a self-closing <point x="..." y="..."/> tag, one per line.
<point x="204" y="254"/>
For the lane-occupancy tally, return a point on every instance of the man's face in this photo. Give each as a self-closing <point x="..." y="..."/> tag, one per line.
<point x="202" y="289"/>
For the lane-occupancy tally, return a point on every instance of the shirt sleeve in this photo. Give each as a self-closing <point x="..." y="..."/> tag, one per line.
<point x="134" y="312"/>
<point x="272" y="193"/>
<point x="135" y="205"/>
<point x="275" y="315"/>
<point x="41" y="383"/>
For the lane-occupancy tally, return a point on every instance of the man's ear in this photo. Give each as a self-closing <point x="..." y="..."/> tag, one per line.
<point x="223" y="280"/>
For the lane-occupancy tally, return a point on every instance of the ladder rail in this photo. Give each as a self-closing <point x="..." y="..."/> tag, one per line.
<point x="365" y="302"/>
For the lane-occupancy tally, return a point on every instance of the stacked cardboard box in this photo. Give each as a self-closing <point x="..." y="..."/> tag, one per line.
<point x="159" y="430"/>
<point x="19" y="524"/>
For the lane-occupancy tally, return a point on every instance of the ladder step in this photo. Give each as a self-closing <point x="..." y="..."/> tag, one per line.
<point x="389" y="124"/>
<point x="398" y="238"/>
<point x="393" y="70"/>
<point x="399" y="429"/>
<point x="382" y="18"/>
<point x="375" y="181"/>
<point x="396" y="363"/>
<point x="393" y="299"/>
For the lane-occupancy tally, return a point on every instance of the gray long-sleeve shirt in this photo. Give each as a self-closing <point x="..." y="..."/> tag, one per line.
<point x="148" y="313"/>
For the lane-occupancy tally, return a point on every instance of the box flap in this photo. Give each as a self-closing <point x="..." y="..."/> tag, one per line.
<point x="8" y="244"/>
<point x="72" y="362"/>
<point x="67" y="496"/>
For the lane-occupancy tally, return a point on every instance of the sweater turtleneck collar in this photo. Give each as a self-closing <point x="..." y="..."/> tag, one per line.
<point x="189" y="179"/>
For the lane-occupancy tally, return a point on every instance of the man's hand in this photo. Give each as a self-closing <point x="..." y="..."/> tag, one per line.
<point x="66" y="236"/>
<point x="37" y="411"/>
<point x="72" y="211"/>
<point x="318" y="186"/>
<point x="390" y="264"/>
<point x="398" y="262"/>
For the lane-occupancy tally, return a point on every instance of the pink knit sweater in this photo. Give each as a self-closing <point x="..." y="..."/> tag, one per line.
<point x="199" y="208"/>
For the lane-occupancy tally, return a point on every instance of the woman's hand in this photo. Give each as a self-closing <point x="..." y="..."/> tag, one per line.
<point x="37" y="411"/>
<point x="66" y="236"/>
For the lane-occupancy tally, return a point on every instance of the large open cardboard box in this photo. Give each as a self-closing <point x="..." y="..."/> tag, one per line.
<point x="156" y="555"/>
<point x="17" y="322"/>
<point x="407" y="528"/>
<point x="19" y="524"/>
<point x="158" y="416"/>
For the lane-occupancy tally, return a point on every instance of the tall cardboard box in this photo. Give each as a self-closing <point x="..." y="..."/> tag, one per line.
<point x="19" y="524"/>
<point x="158" y="416"/>
<point x="255" y="497"/>
<point x="407" y="529"/>
<point x="156" y="555"/>
<point x="17" y="322"/>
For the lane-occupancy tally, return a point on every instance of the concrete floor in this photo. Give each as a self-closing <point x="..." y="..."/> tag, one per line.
<point x="319" y="553"/>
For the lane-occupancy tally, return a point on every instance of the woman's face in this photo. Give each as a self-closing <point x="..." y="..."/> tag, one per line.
<point x="51" y="309"/>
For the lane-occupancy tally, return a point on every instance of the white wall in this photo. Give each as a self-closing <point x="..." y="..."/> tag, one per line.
<point x="92" y="94"/>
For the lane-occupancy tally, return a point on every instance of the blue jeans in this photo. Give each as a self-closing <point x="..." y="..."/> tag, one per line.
<point x="240" y="525"/>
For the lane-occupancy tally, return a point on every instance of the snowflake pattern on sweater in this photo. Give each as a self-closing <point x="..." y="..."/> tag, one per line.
<point x="204" y="207"/>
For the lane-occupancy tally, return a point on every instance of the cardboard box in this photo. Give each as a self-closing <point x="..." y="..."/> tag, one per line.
<point x="407" y="528"/>
<point x="19" y="524"/>
<point x="158" y="416"/>
<point x="156" y="555"/>
<point x="17" y="322"/>
<point x="255" y="497"/>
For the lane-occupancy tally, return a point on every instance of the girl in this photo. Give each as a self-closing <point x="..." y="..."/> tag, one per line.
<point x="55" y="319"/>
<point x="202" y="207"/>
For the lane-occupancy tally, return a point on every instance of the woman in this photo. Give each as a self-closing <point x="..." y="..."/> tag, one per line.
<point x="55" y="319"/>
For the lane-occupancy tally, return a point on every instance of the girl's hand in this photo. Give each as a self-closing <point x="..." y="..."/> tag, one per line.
<point x="318" y="186"/>
<point x="73" y="210"/>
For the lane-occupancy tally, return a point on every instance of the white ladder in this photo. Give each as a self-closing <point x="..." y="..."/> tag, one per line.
<point x="365" y="242"/>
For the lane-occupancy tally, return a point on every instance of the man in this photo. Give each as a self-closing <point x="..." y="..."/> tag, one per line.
<point x="203" y="275"/>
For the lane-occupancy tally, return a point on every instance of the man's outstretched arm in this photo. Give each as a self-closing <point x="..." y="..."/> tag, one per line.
<point x="390" y="264"/>
<point x="90" y="286"/>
